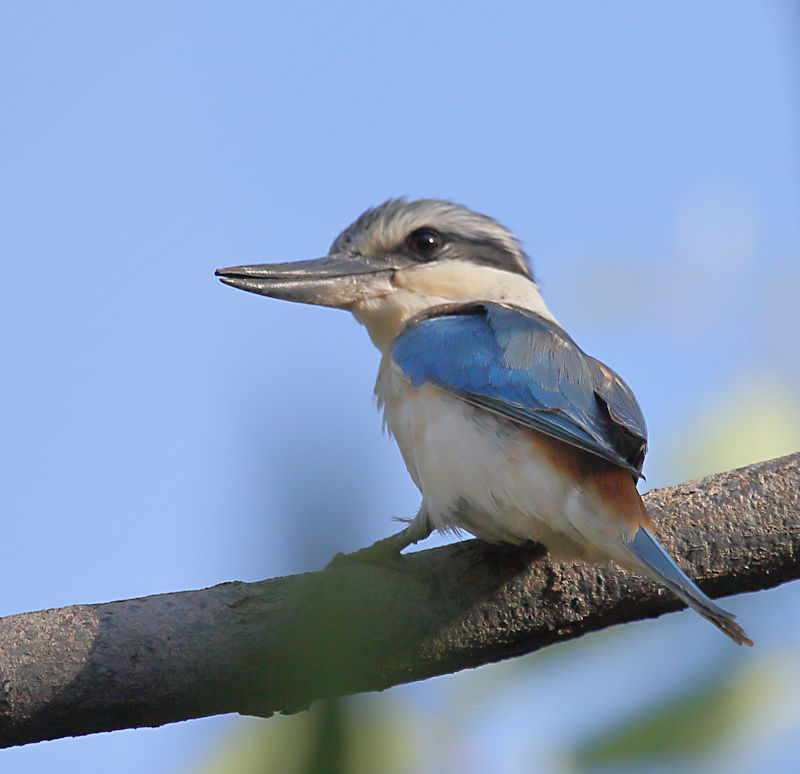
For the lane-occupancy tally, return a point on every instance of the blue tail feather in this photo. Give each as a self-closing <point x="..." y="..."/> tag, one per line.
<point x="660" y="566"/>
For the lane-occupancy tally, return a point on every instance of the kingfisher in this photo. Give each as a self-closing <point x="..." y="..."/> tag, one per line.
<point x="508" y="428"/>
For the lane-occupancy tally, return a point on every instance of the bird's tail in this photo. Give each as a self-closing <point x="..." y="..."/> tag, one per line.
<point x="660" y="566"/>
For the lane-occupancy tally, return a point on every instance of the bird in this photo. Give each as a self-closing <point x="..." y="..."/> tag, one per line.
<point x="510" y="431"/>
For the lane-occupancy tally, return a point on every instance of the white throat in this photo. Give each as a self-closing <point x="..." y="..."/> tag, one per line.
<point x="433" y="284"/>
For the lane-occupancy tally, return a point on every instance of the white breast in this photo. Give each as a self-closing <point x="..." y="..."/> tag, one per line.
<point x="479" y="472"/>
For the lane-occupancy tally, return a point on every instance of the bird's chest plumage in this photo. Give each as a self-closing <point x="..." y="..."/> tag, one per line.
<point x="438" y="434"/>
<point x="476" y="471"/>
<point x="497" y="479"/>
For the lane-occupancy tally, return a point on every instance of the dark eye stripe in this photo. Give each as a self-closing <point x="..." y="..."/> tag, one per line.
<point x="426" y="244"/>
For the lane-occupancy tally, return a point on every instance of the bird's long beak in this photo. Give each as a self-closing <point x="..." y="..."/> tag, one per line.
<point x="337" y="280"/>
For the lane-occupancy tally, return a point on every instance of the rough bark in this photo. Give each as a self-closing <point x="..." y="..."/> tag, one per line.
<point x="276" y="645"/>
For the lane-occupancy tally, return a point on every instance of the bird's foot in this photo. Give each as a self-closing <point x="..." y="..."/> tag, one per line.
<point x="388" y="549"/>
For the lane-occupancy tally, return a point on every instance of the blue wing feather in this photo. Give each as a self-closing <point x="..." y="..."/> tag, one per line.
<point x="518" y="364"/>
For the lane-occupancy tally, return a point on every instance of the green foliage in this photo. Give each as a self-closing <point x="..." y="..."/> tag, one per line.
<point x="693" y="725"/>
<point x="334" y="737"/>
<point x="754" y="421"/>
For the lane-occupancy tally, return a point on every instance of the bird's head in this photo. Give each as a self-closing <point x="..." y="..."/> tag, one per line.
<point x="398" y="260"/>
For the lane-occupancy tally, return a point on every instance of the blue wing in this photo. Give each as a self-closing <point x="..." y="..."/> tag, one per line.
<point x="518" y="364"/>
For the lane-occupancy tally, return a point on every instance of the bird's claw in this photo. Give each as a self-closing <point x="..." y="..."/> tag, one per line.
<point x="388" y="550"/>
<point x="377" y="553"/>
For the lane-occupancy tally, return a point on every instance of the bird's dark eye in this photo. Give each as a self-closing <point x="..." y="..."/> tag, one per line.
<point x="425" y="241"/>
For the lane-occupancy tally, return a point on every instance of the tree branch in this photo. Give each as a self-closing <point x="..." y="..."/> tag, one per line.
<point x="276" y="645"/>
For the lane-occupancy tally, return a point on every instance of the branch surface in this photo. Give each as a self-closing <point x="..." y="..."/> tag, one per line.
<point x="276" y="645"/>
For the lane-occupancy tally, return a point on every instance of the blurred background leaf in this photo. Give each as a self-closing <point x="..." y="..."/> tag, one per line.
<point x="689" y="726"/>
<point x="757" y="419"/>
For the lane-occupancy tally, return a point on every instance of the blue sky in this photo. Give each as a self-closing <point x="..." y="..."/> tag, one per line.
<point x="160" y="430"/>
